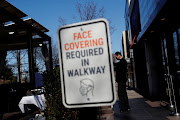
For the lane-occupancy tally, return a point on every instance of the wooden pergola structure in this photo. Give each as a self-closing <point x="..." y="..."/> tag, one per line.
<point x="18" y="34"/>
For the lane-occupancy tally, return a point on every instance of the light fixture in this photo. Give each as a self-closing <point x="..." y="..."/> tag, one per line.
<point x="152" y="31"/>
<point x="11" y="33"/>
<point x="40" y="44"/>
<point x="163" y="19"/>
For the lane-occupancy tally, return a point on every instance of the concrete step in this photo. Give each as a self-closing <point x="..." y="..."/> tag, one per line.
<point x="106" y="113"/>
<point x="106" y="117"/>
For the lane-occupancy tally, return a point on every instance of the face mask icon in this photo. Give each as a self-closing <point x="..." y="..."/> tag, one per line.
<point x="83" y="91"/>
<point x="86" y="87"/>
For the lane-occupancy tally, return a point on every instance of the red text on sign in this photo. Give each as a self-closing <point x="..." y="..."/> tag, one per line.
<point x="83" y="35"/>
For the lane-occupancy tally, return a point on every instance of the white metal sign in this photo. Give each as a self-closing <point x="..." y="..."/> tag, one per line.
<point x="86" y="64"/>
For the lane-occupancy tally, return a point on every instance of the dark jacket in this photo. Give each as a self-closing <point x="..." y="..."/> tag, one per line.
<point x="121" y="71"/>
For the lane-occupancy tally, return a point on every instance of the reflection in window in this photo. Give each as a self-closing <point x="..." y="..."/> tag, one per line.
<point x="179" y="33"/>
<point x="164" y="57"/>
<point x="176" y="50"/>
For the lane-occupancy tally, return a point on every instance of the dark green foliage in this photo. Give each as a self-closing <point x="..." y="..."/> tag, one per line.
<point x="55" y="109"/>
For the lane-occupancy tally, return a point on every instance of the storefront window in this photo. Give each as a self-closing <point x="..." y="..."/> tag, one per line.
<point x="163" y="48"/>
<point x="179" y="33"/>
<point x="176" y="49"/>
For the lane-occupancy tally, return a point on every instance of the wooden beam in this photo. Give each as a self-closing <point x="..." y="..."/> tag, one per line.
<point x="31" y="60"/>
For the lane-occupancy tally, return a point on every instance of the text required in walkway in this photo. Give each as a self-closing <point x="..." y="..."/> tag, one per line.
<point x="86" y="64"/>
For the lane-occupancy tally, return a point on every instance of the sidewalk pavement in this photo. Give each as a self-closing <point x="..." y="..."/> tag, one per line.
<point x="142" y="109"/>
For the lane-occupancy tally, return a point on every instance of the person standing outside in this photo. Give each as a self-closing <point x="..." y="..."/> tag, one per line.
<point x="121" y="78"/>
<point x="38" y="79"/>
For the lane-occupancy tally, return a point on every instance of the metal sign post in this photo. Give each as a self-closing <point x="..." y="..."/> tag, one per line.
<point x="86" y="67"/>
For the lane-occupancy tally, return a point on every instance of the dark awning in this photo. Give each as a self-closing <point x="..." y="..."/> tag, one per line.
<point x="14" y="30"/>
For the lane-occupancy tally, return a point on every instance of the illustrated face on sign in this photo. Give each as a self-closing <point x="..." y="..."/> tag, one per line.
<point x="86" y="87"/>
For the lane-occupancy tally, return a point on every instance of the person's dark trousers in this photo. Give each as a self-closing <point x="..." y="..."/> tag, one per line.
<point x="123" y="98"/>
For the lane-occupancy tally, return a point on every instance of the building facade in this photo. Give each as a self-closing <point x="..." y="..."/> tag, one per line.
<point x="155" y="40"/>
<point x="128" y="55"/>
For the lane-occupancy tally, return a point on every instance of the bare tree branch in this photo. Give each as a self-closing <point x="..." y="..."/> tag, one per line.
<point x="62" y="21"/>
<point x="87" y="11"/>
